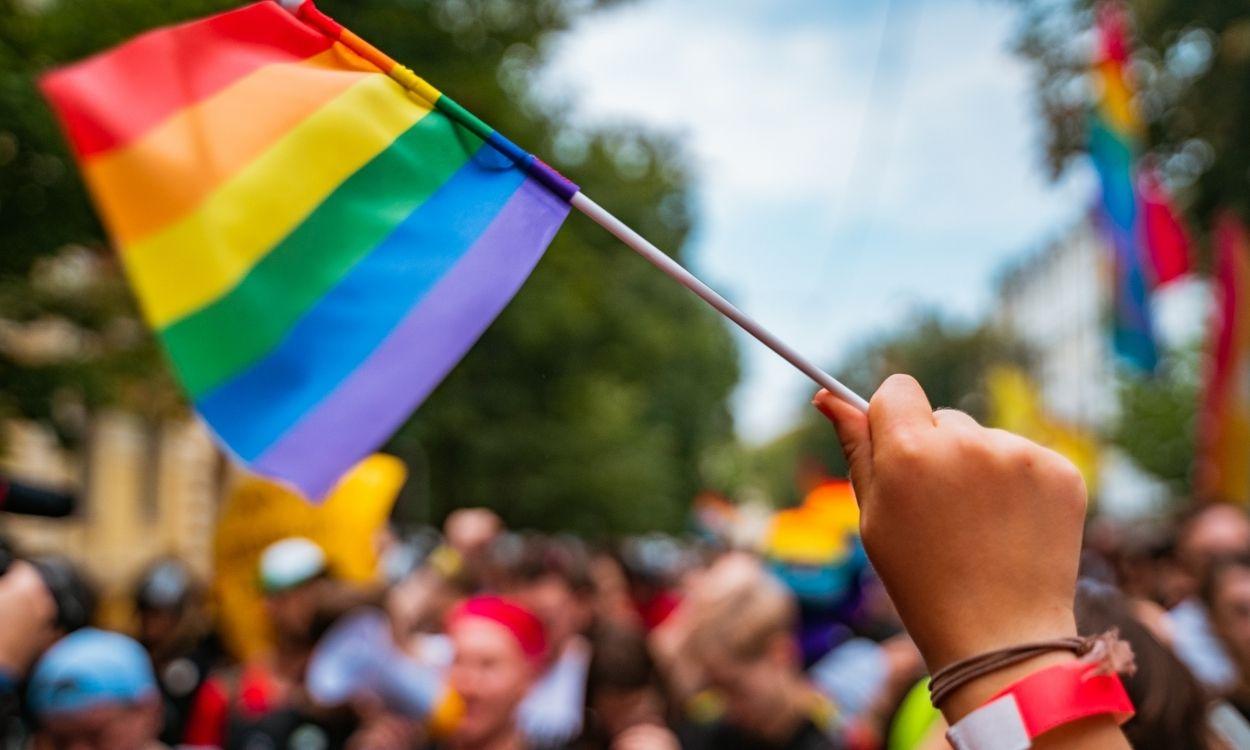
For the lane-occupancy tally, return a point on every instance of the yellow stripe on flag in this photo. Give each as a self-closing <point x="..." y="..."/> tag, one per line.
<point x="1117" y="99"/>
<point x="200" y="258"/>
<point x="147" y="185"/>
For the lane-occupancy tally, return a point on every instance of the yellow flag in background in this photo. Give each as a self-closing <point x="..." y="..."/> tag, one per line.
<point x="1016" y="406"/>
<point x="259" y="512"/>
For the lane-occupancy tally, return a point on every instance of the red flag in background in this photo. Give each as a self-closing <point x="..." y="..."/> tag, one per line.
<point x="1167" y="242"/>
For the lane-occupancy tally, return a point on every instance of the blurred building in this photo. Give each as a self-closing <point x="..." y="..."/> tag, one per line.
<point x="1056" y="302"/>
<point x="144" y="491"/>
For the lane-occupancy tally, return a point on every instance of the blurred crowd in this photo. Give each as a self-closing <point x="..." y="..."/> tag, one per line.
<point x="482" y="637"/>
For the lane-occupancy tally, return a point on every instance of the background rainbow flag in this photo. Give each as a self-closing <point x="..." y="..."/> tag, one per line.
<point x="1223" y="466"/>
<point x="316" y="235"/>
<point x="1149" y="244"/>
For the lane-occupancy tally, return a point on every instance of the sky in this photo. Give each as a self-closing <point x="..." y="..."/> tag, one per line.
<point x="842" y="185"/>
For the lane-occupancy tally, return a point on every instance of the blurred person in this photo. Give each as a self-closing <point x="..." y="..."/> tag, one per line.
<point x="742" y="636"/>
<point x="1226" y="594"/>
<point x="422" y="593"/>
<point x="612" y="602"/>
<point x="416" y="606"/>
<point x="41" y="599"/>
<point x="1144" y="557"/>
<point x="626" y="705"/>
<point x="652" y="565"/>
<point x="1209" y="533"/>
<point x="94" y="690"/>
<point x="499" y="648"/>
<point x="1172" y="584"/>
<point x="383" y="730"/>
<point x="553" y="581"/>
<point x="27" y="628"/>
<point x="1173" y="710"/>
<point x="263" y="703"/>
<point x="173" y="627"/>
<point x="867" y="681"/>
<point x="471" y="530"/>
<point x="976" y="535"/>
<point x="470" y="535"/>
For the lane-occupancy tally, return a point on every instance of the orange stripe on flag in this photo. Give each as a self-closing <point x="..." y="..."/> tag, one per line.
<point x="193" y="153"/>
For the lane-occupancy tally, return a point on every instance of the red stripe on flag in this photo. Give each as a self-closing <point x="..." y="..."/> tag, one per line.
<point x="109" y="100"/>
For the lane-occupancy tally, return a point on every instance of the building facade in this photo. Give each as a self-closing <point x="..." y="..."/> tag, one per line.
<point x="144" y="491"/>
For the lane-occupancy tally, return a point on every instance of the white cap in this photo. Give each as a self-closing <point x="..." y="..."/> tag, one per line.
<point x="290" y="562"/>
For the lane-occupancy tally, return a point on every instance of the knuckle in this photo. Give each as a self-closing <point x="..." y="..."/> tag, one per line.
<point x="974" y="446"/>
<point x="1013" y="453"/>
<point x="904" y="448"/>
<point x="1069" y="481"/>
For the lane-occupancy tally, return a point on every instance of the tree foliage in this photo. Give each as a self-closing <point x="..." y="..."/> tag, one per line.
<point x="1191" y="66"/>
<point x="588" y="405"/>
<point x="1157" y="423"/>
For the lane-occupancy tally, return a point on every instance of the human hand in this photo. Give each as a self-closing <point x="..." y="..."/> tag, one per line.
<point x="27" y="618"/>
<point x="975" y="532"/>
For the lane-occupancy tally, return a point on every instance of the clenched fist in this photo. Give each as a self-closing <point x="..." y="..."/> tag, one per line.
<point x="975" y="532"/>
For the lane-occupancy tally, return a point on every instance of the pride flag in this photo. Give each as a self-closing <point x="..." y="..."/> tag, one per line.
<point x="1148" y="242"/>
<point x="1223" y="471"/>
<point x="316" y="235"/>
<point x="814" y="547"/>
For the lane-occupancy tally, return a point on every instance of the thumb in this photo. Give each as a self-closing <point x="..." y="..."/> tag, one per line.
<point x="852" y="427"/>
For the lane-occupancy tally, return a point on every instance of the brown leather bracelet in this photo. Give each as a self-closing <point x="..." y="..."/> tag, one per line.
<point x="1107" y="647"/>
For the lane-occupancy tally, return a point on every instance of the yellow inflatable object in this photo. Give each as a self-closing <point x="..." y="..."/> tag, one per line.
<point x="259" y="512"/>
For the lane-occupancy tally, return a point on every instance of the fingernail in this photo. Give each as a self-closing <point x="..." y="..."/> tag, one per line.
<point x="822" y="407"/>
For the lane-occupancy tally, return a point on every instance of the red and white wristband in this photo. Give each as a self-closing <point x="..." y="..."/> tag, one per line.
<point x="1050" y="698"/>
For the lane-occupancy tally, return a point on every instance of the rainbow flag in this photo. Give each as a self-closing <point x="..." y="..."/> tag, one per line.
<point x="1223" y="466"/>
<point x="814" y="547"/>
<point x="316" y="235"/>
<point x="1149" y="244"/>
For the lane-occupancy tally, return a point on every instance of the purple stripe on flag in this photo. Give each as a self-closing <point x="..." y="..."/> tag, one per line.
<point x="382" y="392"/>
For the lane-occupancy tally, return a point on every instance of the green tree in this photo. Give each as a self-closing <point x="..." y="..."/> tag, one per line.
<point x="1157" y="423"/>
<point x="589" y="405"/>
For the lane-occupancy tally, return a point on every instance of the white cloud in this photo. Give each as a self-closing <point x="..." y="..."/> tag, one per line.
<point x="772" y="100"/>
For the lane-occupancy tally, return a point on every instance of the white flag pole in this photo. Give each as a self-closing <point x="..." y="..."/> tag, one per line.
<point x="672" y="268"/>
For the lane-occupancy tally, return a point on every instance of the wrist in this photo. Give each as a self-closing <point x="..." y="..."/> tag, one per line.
<point x="1032" y="628"/>
<point x="1072" y="703"/>
<point x="976" y="693"/>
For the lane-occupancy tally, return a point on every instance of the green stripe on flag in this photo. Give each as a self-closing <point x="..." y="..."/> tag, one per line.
<point x="224" y="338"/>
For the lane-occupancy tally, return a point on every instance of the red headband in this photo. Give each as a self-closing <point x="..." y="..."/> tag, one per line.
<point x="524" y="626"/>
